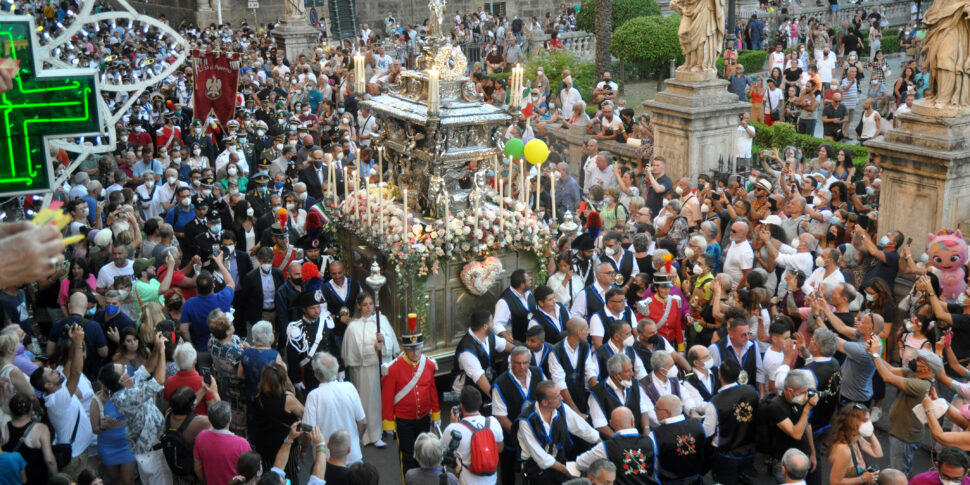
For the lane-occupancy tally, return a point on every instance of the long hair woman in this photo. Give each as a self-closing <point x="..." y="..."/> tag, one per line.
<point x="851" y="438"/>
<point x="274" y="410"/>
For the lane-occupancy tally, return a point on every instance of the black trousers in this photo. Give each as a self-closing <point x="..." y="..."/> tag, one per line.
<point x="509" y="466"/>
<point x="730" y="470"/>
<point x="407" y="432"/>
<point x="548" y="476"/>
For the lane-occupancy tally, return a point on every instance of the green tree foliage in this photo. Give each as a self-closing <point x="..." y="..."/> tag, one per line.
<point x="649" y="41"/>
<point x="583" y="72"/>
<point x="623" y="10"/>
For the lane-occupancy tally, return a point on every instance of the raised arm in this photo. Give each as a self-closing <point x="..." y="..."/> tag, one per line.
<point x="76" y="362"/>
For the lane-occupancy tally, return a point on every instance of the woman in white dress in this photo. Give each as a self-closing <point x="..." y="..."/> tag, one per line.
<point x="565" y="283"/>
<point x="367" y="352"/>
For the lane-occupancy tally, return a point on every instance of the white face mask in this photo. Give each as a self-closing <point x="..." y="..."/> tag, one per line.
<point x="302" y="195"/>
<point x="866" y="429"/>
<point x="689" y="253"/>
<point x="626" y="383"/>
<point x="697" y="269"/>
<point x="672" y="372"/>
<point x="290" y="207"/>
<point x="752" y="180"/>
<point x="818" y="201"/>
<point x="231" y="249"/>
<point x="232" y="171"/>
<point x="709" y="364"/>
<point x="819" y="261"/>
<point x="265" y="267"/>
<point x="172" y="180"/>
<point x="705" y="208"/>
<point x="260" y="132"/>
<point x="149" y="184"/>
<point x="870" y="297"/>
<point x="216" y="229"/>
<point x="186" y="202"/>
<point x="609" y="251"/>
<point x="800" y="399"/>
<point x="250" y="212"/>
<point x="197" y="151"/>
<point x="628" y="342"/>
<point x="279" y="147"/>
<point x="679" y="190"/>
<point x="177" y="160"/>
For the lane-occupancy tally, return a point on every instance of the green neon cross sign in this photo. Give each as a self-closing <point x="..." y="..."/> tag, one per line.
<point x="41" y="104"/>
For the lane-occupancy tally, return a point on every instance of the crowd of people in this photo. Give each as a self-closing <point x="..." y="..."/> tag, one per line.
<point x="205" y="329"/>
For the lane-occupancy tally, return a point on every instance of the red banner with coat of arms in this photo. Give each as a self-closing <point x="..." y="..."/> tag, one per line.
<point x="216" y="77"/>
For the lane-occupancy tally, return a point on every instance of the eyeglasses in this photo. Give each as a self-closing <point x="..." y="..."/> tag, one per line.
<point x="618" y="301"/>
<point x="610" y="273"/>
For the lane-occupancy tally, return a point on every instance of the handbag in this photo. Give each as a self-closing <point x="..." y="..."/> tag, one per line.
<point x="62" y="451"/>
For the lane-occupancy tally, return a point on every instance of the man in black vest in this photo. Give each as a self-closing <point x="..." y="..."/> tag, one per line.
<point x="584" y="263"/>
<point x="633" y="453"/>
<point x="701" y="383"/>
<point x="619" y="389"/>
<point x="535" y="340"/>
<point x="662" y="381"/>
<point x="616" y="308"/>
<point x="546" y="431"/>
<point x="550" y="314"/>
<point x="573" y="366"/>
<point x="730" y="420"/>
<point x="509" y="394"/>
<point x="622" y="261"/>
<point x="648" y="340"/>
<point x="593" y="297"/>
<point x="340" y="294"/>
<point x="475" y="355"/>
<point x="739" y="347"/>
<point x="681" y="444"/>
<point x="784" y="420"/>
<point x="620" y="343"/>
<point x="514" y="308"/>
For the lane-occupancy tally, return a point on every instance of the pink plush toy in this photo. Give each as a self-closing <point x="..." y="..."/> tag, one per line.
<point x="948" y="253"/>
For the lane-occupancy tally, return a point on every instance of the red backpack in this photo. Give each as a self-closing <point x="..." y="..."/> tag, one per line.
<point x="483" y="451"/>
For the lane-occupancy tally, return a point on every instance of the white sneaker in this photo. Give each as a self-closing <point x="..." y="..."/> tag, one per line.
<point x="380" y="444"/>
<point x="875" y="414"/>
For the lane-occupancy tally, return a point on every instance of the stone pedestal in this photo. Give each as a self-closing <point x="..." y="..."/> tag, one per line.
<point x="926" y="174"/>
<point x="296" y="37"/>
<point x="695" y="121"/>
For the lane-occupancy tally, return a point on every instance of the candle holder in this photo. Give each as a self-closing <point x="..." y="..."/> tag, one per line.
<point x="569" y="228"/>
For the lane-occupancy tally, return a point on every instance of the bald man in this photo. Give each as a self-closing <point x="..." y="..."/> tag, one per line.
<point x="739" y="258"/>
<point x="628" y="448"/>
<point x="286" y="308"/>
<point x="680" y="444"/>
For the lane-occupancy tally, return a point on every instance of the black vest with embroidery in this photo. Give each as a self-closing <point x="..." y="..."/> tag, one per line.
<point x="556" y="443"/>
<point x="594" y="302"/>
<point x="608" y="400"/>
<point x="634" y="457"/>
<point x="711" y="380"/>
<point x="575" y="376"/>
<point x="736" y="408"/>
<point x="514" y="400"/>
<point x="519" y="321"/>
<point x="828" y="376"/>
<point x="553" y="334"/>
<point x="604" y="353"/>
<point x="626" y="265"/>
<point x="469" y="344"/>
<point x="680" y="450"/>
<point x="748" y="362"/>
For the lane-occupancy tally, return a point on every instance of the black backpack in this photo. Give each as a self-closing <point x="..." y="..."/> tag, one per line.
<point x="177" y="453"/>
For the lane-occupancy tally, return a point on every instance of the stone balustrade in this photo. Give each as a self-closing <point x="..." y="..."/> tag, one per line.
<point x="575" y="137"/>
<point x="895" y="10"/>
<point x="580" y="43"/>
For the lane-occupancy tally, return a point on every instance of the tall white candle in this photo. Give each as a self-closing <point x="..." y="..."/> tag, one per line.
<point x="407" y="232"/>
<point x="538" y="185"/>
<point x="380" y="166"/>
<point x="552" y="192"/>
<point x="347" y="184"/>
<point x="433" y="91"/>
<point x="501" y="209"/>
<point x="367" y="204"/>
<point x="447" y="218"/>
<point x="510" y="176"/>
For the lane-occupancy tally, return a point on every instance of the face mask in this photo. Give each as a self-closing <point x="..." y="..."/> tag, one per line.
<point x="186" y="201"/>
<point x="752" y="180"/>
<point x="262" y="190"/>
<point x="111" y="310"/>
<point x="607" y="200"/>
<point x="260" y="132"/>
<point x="609" y="251"/>
<point x="87" y="211"/>
<point x="794" y="243"/>
<point x="279" y="147"/>
<point x="819" y="261"/>
<point x="866" y="429"/>
<point x="196" y="183"/>
<point x="665" y="202"/>
<point x="266" y="267"/>
<point x="709" y="364"/>
<point x="835" y="221"/>
<point x="250" y="212"/>
<point x="800" y="399"/>
<point x="91" y="311"/>
<point x="626" y="383"/>
<point x="232" y="171"/>
<point x="884" y="241"/>
<point x="290" y="207"/>
<point x="122" y="294"/>
<point x="672" y="372"/>
<point x="948" y="482"/>
<point x="825" y="173"/>
<point x="628" y="341"/>
<point x="177" y="160"/>
<point x="172" y="180"/>
<point x="231" y="249"/>
<point x="705" y="208"/>
<point x="302" y="195"/>
<point x="818" y="201"/>
<point x="909" y="326"/>
<point x="678" y="190"/>
<point x="216" y="229"/>
<point x="689" y="253"/>
<point x="568" y="80"/>
<point x="697" y="269"/>
<point x="278" y="185"/>
<point x="870" y="191"/>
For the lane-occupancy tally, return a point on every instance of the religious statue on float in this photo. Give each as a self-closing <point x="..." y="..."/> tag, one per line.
<point x="945" y="51"/>
<point x="701" y="33"/>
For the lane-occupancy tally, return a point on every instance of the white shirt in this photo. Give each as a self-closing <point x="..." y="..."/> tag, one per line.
<point x="335" y="406"/>
<point x="771" y="361"/>
<point x="600" y="419"/>
<point x="565" y="290"/>
<point x="470" y="365"/>
<point x="826" y="64"/>
<point x="553" y="317"/>
<point x="634" y="270"/>
<point x="776" y="59"/>
<point x="738" y="258"/>
<point x="818" y="279"/>
<point x="716" y="355"/>
<point x="604" y="178"/>
<point x="639" y="371"/>
<point x="465" y="445"/>
<point x="743" y="142"/>
<point x="153" y="206"/>
<point x="558" y="374"/>
<point x="588" y="165"/>
<point x="603" y="84"/>
<point x="108" y="272"/>
<point x="579" y="308"/>
<point x="773" y="99"/>
<point x="367" y="126"/>
<point x="63" y="409"/>
<point x="340" y="290"/>
<point x="597" y="328"/>
<point x="791" y="260"/>
<point x="529" y="444"/>
<point x="693" y="395"/>
<point x="569" y="97"/>
<point x="503" y="314"/>
<point x="166" y="192"/>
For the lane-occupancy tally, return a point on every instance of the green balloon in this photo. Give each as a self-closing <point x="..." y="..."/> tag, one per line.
<point x="576" y="8"/>
<point x="514" y="148"/>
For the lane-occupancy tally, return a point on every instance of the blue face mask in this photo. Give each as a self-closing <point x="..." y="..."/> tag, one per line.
<point x="279" y="185"/>
<point x="835" y="221"/>
<point x="262" y="190"/>
<point x="91" y="311"/>
<point x="111" y="310"/>
<point x="884" y="241"/>
<point x="824" y="172"/>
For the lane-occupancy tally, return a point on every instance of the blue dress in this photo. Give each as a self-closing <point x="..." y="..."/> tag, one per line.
<point x="253" y="361"/>
<point x="112" y="443"/>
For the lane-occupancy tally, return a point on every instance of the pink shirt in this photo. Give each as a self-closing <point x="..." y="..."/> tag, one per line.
<point x="218" y="452"/>
<point x="66" y="284"/>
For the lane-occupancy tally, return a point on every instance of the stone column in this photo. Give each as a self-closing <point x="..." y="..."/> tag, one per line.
<point x="926" y="174"/>
<point x="695" y="122"/>
<point x="296" y="36"/>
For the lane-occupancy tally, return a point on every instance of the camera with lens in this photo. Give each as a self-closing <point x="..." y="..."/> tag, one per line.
<point x="450" y="458"/>
<point x="821" y="394"/>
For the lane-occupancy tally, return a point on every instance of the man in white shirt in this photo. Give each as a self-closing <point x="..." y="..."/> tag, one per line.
<point x="776" y="59"/>
<point x="368" y="123"/>
<point x="476" y="354"/>
<point x="605" y="89"/>
<point x="662" y="380"/>
<point x="548" y="417"/>
<point x="597" y="290"/>
<point x="575" y="354"/>
<point x="382" y="64"/>
<point x="702" y="383"/>
<point x="827" y="273"/>
<point x="335" y="405"/>
<point x="620" y="382"/>
<point x="774" y="101"/>
<point x="591" y="150"/>
<point x="826" y="64"/>
<point x="742" y="144"/>
<point x="602" y="173"/>
<point x="119" y="266"/>
<point x="739" y="258"/>
<point x="791" y="258"/>
<point x="568" y="97"/>
<point x="470" y="404"/>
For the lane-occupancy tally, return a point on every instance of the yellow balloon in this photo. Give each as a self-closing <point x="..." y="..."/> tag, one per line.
<point x="536" y="151"/>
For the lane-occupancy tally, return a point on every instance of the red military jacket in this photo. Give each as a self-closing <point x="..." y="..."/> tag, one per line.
<point x="416" y="404"/>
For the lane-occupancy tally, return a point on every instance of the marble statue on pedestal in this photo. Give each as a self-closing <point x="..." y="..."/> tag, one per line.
<point x="946" y="51"/>
<point x="294" y="9"/>
<point x="701" y="33"/>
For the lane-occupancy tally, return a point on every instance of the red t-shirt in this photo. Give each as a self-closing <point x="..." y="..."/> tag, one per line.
<point x="142" y="138"/>
<point x="189" y="378"/>
<point x="218" y="452"/>
<point x="177" y="278"/>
